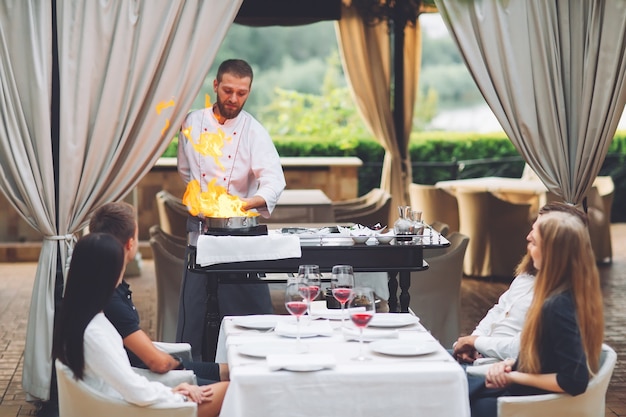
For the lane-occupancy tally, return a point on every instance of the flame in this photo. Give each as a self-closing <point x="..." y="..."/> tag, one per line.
<point x="162" y="105"/>
<point x="215" y="202"/>
<point x="209" y="144"/>
<point x="167" y="125"/>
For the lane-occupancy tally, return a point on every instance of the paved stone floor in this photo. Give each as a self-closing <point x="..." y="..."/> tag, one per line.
<point x="16" y="282"/>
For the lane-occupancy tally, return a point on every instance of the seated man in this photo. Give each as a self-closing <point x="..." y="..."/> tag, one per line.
<point x="119" y="220"/>
<point x="497" y="335"/>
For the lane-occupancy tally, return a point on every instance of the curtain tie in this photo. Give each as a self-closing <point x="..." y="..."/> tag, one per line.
<point x="70" y="240"/>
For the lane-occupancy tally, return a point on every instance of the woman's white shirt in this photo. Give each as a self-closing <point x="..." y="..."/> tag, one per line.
<point x="499" y="331"/>
<point x="108" y="370"/>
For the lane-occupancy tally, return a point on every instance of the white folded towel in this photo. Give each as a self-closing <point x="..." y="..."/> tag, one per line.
<point x="213" y="250"/>
<point x="300" y="362"/>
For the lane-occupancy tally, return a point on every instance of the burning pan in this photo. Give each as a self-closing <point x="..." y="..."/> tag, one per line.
<point x="240" y="222"/>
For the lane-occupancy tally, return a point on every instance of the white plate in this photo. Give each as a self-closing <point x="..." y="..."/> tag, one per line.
<point x="255" y="322"/>
<point x="369" y="335"/>
<point x="307" y="329"/>
<point x="393" y="320"/>
<point x="261" y="350"/>
<point x="403" y="347"/>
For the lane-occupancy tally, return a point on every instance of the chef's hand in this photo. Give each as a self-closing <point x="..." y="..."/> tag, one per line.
<point x="253" y="202"/>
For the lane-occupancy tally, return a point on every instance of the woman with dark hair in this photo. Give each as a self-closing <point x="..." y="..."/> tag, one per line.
<point x="90" y="346"/>
<point x="562" y="336"/>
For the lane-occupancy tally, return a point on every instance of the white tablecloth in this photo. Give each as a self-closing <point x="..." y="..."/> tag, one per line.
<point x="427" y="385"/>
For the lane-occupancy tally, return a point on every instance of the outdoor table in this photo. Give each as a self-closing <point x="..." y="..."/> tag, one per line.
<point x="514" y="190"/>
<point x="430" y="384"/>
<point x="303" y="206"/>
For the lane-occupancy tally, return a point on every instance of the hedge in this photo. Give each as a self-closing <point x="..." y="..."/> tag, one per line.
<point x="438" y="156"/>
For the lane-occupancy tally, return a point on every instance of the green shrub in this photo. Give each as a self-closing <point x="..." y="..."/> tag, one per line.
<point x="438" y="156"/>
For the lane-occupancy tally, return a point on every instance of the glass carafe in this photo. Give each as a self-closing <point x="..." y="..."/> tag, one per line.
<point x="403" y="226"/>
<point x="418" y="225"/>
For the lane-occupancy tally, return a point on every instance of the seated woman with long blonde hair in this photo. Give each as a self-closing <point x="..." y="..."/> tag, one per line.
<point x="89" y="345"/>
<point x="562" y="336"/>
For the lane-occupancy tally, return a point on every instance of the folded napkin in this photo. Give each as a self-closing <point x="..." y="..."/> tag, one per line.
<point x="370" y="335"/>
<point x="308" y="328"/>
<point x="213" y="250"/>
<point x="300" y="362"/>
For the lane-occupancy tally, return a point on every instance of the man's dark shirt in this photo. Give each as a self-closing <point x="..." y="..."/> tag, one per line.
<point x="122" y="313"/>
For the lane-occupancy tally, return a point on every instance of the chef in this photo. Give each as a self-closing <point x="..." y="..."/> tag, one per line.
<point x="224" y="145"/>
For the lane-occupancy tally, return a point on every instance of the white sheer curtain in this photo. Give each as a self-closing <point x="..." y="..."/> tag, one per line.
<point x="554" y="74"/>
<point x="129" y="71"/>
<point x="366" y="58"/>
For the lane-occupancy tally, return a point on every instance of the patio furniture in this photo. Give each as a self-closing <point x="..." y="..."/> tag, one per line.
<point x="589" y="404"/>
<point x="172" y="214"/>
<point x="436" y="292"/>
<point x="374" y="207"/>
<point x="600" y="202"/>
<point x="436" y="205"/>
<point x="497" y="230"/>
<point x="302" y="206"/>
<point x="77" y="399"/>
<point x="169" y="265"/>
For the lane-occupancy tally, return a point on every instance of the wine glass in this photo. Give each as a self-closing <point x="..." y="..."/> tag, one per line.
<point x="341" y="284"/>
<point x="310" y="276"/>
<point x="296" y="302"/>
<point x="361" y="297"/>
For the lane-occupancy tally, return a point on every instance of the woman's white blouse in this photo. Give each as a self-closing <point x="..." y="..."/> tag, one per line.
<point x="108" y="370"/>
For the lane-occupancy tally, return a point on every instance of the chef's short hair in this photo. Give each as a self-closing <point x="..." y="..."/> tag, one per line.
<point x="237" y="67"/>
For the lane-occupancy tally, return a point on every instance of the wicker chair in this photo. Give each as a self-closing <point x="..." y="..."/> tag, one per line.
<point x="172" y="214"/>
<point x="372" y="208"/>
<point x="436" y="292"/>
<point x="169" y="255"/>
<point x="436" y="205"/>
<point x="497" y="230"/>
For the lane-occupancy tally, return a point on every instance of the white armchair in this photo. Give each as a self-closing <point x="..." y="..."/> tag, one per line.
<point x="589" y="404"/>
<point x="77" y="399"/>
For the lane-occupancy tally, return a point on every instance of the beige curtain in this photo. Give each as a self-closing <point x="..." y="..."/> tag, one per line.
<point x="129" y="71"/>
<point x="553" y="73"/>
<point x="366" y="58"/>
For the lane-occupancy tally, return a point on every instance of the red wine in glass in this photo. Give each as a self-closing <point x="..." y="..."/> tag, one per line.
<point x="310" y="276"/>
<point x="341" y="283"/>
<point x="314" y="291"/>
<point x="363" y="298"/>
<point x="342" y="294"/>
<point x="361" y="319"/>
<point x="296" y="302"/>
<point x="296" y="308"/>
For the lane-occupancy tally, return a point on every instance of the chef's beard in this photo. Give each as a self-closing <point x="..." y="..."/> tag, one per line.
<point x="226" y="112"/>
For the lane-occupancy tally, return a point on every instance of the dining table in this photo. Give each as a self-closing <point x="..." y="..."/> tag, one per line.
<point x="303" y="206"/>
<point x="406" y="371"/>
<point x="324" y="247"/>
<point x="515" y="190"/>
